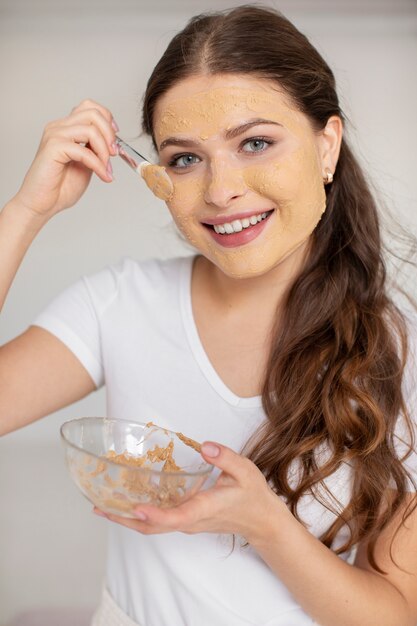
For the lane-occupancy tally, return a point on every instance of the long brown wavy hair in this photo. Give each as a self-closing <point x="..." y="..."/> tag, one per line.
<point x="335" y="369"/>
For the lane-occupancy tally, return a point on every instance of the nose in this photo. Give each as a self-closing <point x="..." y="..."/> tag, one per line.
<point x="224" y="185"/>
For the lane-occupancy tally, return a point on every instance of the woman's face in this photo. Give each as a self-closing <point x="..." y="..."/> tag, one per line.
<point x="246" y="168"/>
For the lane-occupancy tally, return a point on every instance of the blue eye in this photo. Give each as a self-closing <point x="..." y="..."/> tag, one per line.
<point x="184" y="160"/>
<point x="257" y="144"/>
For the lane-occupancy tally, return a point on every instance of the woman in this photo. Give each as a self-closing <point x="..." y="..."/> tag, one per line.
<point x="276" y="344"/>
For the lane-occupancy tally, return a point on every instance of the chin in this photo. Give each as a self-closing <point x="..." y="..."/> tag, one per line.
<point x="240" y="265"/>
<point x="243" y="270"/>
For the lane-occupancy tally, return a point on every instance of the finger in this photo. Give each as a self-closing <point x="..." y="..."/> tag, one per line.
<point x="227" y="460"/>
<point x="179" y="517"/>
<point x="117" y="519"/>
<point x="92" y="104"/>
<point x="65" y="152"/>
<point x="89" y="104"/>
<point x="95" y="118"/>
<point x="157" y="516"/>
<point x="88" y="135"/>
<point x="139" y="526"/>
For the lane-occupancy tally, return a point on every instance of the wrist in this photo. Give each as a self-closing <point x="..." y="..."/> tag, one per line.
<point x="273" y="522"/>
<point x="22" y="217"/>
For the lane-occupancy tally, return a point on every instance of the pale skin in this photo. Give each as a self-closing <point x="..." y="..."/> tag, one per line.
<point x="39" y="375"/>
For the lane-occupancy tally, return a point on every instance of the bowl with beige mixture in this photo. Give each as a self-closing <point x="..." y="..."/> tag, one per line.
<point x="118" y="464"/>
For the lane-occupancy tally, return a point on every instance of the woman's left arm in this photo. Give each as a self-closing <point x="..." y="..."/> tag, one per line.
<point x="336" y="593"/>
<point x="331" y="591"/>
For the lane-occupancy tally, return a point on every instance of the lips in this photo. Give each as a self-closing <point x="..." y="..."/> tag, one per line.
<point x="227" y="219"/>
<point x="241" y="238"/>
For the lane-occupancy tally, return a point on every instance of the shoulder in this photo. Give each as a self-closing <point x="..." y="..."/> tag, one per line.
<point x="150" y="270"/>
<point x="129" y="277"/>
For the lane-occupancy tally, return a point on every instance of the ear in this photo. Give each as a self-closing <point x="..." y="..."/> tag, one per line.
<point x="329" y="140"/>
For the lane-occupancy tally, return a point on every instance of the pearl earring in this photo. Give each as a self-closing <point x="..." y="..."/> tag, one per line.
<point x="328" y="178"/>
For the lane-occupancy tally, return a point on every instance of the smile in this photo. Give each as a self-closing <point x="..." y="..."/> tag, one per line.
<point x="240" y="231"/>
<point x="237" y="225"/>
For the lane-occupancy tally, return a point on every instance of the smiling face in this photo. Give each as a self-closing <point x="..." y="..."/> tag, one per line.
<point x="246" y="170"/>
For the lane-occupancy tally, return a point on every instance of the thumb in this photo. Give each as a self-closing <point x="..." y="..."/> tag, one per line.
<point x="223" y="457"/>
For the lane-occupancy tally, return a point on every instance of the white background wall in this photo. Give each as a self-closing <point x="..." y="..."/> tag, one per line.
<point x="52" y="55"/>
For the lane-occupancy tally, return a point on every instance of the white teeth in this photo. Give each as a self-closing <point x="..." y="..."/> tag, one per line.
<point x="237" y="225"/>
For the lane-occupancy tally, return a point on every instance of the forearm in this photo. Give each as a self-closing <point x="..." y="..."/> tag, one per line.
<point x="18" y="228"/>
<point x="330" y="590"/>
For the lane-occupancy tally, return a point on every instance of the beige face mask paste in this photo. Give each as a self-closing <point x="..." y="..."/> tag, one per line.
<point x="158" y="181"/>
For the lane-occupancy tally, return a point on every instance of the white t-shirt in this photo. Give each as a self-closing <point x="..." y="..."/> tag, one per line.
<point x="132" y="328"/>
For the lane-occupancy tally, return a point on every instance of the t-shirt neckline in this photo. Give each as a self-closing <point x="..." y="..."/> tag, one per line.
<point x="197" y="348"/>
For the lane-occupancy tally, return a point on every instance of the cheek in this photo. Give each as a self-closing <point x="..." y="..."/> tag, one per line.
<point x="188" y="193"/>
<point x="295" y="187"/>
<point x="186" y="200"/>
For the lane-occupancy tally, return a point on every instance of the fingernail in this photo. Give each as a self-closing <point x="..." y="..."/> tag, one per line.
<point x="115" y="126"/>
<point x="114" y="147"/>
<point x="141" y="515"/>
<point x="210" y="449"/>
<point x="109" y="169"/>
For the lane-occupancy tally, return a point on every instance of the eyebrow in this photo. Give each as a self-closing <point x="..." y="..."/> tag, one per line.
<point x="230" y="133"/>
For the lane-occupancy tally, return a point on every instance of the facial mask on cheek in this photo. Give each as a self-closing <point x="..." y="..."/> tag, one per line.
<point x="188" y="195"/>
<point x="185" y="204"/>
<point x="295" y="188"/>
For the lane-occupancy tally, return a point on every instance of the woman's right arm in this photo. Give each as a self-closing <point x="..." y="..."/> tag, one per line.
<point x="38" y="373"/>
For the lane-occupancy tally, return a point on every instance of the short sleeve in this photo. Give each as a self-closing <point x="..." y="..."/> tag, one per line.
<point x="404" y="439"/>
<point x="75" y="315"/>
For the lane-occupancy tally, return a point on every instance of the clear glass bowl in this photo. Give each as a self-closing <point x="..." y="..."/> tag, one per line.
<point x="118" y="464"/>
